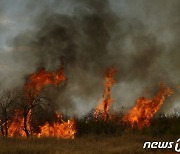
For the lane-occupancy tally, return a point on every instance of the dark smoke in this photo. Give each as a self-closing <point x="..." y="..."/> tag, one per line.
<point x="93" y="35"/>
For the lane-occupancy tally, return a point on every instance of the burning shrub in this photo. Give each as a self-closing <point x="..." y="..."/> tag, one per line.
<point x="145" y="109"/>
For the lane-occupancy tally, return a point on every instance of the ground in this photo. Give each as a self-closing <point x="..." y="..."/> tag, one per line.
<point x="125" y="143"/>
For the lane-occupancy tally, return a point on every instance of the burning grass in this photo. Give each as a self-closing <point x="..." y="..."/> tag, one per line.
<point x="100" y="136"/>
<point x="98" y="132"/>
<point x="65" y="130"/>
<point x="161" y="125"/>
<point x="145" y="109"/>
<point x="22" y="122"/>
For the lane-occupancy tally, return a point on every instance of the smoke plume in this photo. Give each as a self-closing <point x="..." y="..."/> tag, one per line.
<point x="139" y="38"/>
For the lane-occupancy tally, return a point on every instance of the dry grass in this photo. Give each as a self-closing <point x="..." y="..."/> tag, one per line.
<point x="85" y="145"/>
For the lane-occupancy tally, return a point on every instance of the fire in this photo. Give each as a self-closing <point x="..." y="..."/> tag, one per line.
<point x="16" y="127"/>
<point x="60" y="129"/>
<point x="42" y="78"/>
<point x="106" y="102"/>
<point x="145" y="108"/>
<point x="37" y="81"/>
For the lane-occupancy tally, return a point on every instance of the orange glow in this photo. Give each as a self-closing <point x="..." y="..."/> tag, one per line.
<point x="37" y="81"/>
<point x="16" y="127"/>
<point x="60" y="129"/>
<point x="145" y="108"/>
<point x="102" y="109"/>
<point x="178" y="86"/>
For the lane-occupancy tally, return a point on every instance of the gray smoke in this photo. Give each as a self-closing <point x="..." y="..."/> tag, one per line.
<point x="139" y="38"/>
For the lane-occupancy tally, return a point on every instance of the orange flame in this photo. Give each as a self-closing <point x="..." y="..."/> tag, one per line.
<point x="16" y="127"/>
<point x="104" y="106"/>
<point x="65" y="130"/>
<point x="37" y="81"/>
<point x="145" y="108"/>
<point x="42" y="78"/>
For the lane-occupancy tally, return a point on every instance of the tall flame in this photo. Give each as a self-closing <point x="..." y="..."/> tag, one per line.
<point x="106" y="102"/>
<point x="145" y="108"/>
<point x="60" y="129"/>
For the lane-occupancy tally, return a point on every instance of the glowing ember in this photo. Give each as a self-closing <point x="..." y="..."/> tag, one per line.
<point x="145" y="109"/>
<point x="103" y="108"/>
<point x="65" y="130"/>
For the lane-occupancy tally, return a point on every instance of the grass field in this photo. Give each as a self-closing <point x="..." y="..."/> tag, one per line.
<point x="125" y="143"/>
<point x="99" y="137"/>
